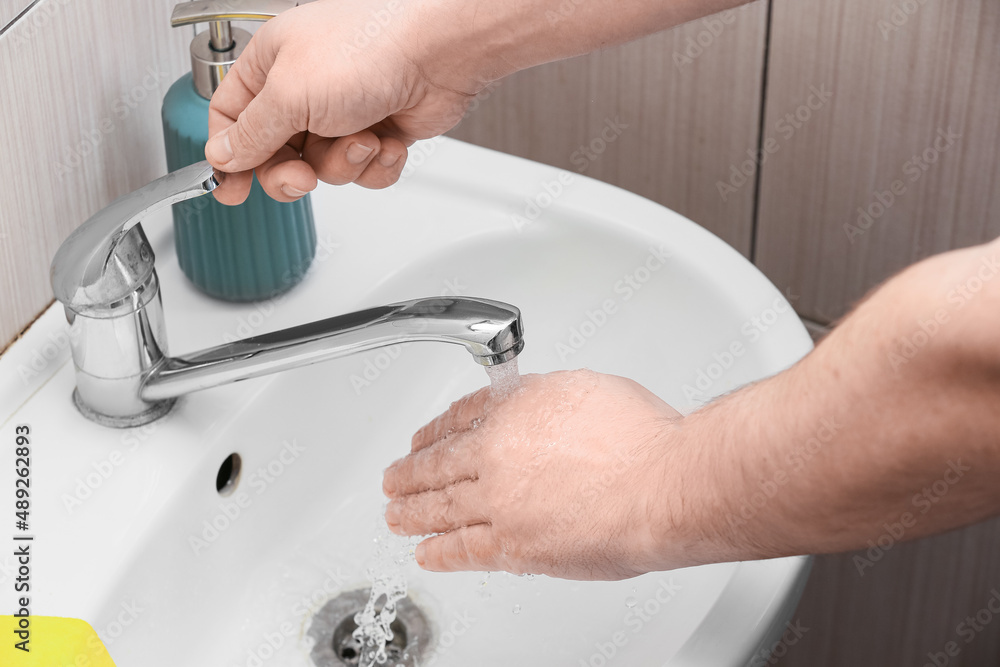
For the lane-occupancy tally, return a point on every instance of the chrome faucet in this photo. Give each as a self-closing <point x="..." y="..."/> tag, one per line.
<point x="104" y="276"/>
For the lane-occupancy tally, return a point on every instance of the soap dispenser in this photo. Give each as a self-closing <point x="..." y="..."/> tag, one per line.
<point x="262" y="247"/>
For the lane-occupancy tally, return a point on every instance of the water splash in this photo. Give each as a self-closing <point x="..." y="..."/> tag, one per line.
<point x="505" y="378"/>
<point x="388" y="587"/>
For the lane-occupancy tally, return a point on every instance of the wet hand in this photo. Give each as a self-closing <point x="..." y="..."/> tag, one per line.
<point x="565" y="477"/>
<point x="307" y="100"/>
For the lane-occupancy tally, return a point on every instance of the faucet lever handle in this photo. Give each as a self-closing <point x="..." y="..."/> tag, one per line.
<point x="207" y="11"/>
<point x="88" y="270"/>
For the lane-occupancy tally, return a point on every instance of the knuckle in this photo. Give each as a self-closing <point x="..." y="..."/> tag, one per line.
<point x="242" y="136"/>
<point x="450" y="509"/>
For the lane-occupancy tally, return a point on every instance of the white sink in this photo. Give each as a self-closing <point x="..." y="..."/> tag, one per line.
<point x="118" y="515"/>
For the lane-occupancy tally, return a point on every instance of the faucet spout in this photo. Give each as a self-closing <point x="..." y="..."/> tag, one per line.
<point x="491" y="331"/>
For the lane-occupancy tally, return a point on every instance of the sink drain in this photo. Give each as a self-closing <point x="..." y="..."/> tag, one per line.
<point x="332" y="629"/>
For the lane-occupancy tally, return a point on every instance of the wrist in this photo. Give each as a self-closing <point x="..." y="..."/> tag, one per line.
<point x="691" y="518"/>
<point x="724" y="482"/>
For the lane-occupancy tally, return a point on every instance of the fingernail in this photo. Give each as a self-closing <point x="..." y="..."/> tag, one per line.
<point x="358" y="153"/>
<point x="388" y="159"/>
<point x="420" y="554"/>
<point x="292" y="192"/>
<point x="221" y="149"/>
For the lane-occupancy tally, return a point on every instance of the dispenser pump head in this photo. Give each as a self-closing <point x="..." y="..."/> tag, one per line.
<point x="214" y="51"/>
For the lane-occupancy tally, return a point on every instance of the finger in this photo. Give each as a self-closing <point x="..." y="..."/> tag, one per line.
<point x="259" y="131"/>
<point x="341" y="160"/>
<point x="431" y="468"/>
<point x="459" y="417"/>
<point x="249" y="118"/>
<point x="472" y="548"/>
<point x="285" y="177"/>
<point x="244" y="80"/>
<point x="234" y="189"/>
<point x="238" y="89"/>
<point x="455" y="506"/>
<point x="385" y="169"/>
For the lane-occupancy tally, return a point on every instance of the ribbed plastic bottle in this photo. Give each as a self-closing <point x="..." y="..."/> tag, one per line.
<point x="262" y="247"/>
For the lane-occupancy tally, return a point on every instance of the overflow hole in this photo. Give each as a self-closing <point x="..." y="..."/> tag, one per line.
<point x="229" y="474"/>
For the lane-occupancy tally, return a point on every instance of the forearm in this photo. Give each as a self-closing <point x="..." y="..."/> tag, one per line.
<point x="494" y="39"/>
<point x="890" y="427"/>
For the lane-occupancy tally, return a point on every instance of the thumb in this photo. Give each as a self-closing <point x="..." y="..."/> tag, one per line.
<point x="258" y="132"/>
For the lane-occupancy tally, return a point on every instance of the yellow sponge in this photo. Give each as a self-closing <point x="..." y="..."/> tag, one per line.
<point x="51" y="642"/>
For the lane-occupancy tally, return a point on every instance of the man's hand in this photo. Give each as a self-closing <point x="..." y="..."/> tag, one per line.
<point x="308" y="100"/>
<point x="304" y="102"/>
<point x="564" y="477"/>
<point x="889" y="427"/>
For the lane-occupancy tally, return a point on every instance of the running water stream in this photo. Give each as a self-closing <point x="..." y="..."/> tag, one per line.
<point x="393" y="553"/>
<point x="504" y="379"/>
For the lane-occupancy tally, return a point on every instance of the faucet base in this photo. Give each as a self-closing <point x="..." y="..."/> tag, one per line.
<point x="158" y="409"/>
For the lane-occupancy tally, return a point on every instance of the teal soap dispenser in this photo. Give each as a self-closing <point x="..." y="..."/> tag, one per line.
<point x="262" y="247"/>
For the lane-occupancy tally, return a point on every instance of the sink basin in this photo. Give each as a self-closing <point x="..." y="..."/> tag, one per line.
<point x="134" y="536"/>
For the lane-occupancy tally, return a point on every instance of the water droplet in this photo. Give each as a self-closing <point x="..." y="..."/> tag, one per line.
<point x="517" y="609"/>
<point x="630" y="601"/>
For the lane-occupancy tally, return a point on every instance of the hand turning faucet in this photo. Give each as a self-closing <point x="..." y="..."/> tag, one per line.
<point x="104" y="276"/>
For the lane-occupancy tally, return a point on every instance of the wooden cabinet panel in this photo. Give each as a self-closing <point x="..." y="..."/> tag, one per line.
<point x="901" y="161"/>
<point x="903" y="605"/>
<point x="677" y="110"/>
